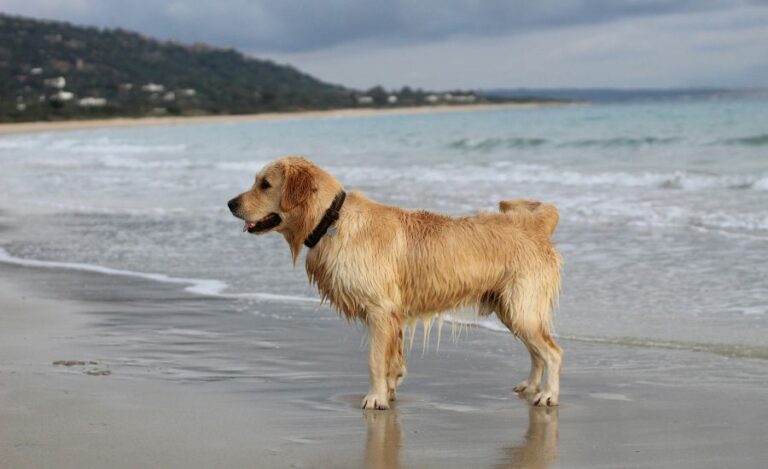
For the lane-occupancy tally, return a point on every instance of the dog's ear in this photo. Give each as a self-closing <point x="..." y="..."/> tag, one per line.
<point x="298" y="185"/>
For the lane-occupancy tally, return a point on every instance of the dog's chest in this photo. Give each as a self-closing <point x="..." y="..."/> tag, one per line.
<point x="344" y="278"/>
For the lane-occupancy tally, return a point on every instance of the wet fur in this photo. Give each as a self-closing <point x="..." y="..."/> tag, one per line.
<point x="388" y="267"/>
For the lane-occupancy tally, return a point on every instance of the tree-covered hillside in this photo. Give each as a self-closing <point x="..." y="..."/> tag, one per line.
<point x="52" y="70"/>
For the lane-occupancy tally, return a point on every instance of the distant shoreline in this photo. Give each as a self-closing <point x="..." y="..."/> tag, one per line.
<point x="118" y="122"/>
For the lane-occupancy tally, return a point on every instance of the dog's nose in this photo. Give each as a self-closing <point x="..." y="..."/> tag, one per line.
<point x="234" y="204"/>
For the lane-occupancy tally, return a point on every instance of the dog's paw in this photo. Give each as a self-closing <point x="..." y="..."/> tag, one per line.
<point x="375" y="402"/>
<point x="525" y="388"/>
<point x="545" y="399"/>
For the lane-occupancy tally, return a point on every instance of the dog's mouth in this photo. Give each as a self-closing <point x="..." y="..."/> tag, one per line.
<point x="263" y="224"/>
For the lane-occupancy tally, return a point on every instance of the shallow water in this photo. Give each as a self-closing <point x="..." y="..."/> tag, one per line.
<point x="664" y="205"/>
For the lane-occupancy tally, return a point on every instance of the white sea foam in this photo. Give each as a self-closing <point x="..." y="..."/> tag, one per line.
<point x="536" y="173"/>
<point x="198" y="286"/>
<point x="105" y="145"/>
<point x="618" y="209"/>
<point x="491" y="324"/>
<point x="528" y="173"/>
<point x="609" y="396"/>
<point x="121" y="162"/>
<point x="186" y="332"/>
<point x="131" y="211"/>
<point x="754" y="310"/>
<point x="58" y="143"/>
<point x="111" y="161"/>
<point x="274" y="297"/>
<point x="247" y="166"/>
<point x="208" y="287"/>
<point x="18" y="143"/>
<point x="761" y="184"/>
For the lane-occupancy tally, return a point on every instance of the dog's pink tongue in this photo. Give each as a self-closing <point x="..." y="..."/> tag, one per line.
<point x="245" y="227"/>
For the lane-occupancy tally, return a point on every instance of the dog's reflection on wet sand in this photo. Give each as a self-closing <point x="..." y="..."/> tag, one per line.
<point x="537" y="450"/>
<point x="539" y="447"/>
<point x="382" y="444"/>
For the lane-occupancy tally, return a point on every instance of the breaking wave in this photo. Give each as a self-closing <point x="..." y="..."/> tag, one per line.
<point x="488" y="144"/>
<point x="493" y="143"/>
<point x="751" y="140"/>
<point x="621" y="142"/>
<point x="535" y="173"/>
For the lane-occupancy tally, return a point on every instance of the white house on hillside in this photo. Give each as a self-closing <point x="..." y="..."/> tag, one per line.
<point x="58" y="82"/>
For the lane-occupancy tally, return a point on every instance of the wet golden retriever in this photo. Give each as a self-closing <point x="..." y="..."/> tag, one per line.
<point x="386" y="266"/>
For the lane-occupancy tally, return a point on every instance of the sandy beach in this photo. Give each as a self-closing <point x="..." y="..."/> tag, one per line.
<point x="58" y="126"/>
<point x="293" y="401"/>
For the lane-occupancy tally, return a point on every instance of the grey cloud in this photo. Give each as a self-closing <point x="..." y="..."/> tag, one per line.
<point x="675" y="50"/>
<point x="462" y="43"/>
<point x="290" y="26"/>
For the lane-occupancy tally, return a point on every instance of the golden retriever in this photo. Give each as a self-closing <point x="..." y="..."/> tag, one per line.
<point x="386" y="266"/>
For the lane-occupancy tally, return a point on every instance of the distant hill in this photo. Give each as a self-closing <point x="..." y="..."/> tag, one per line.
<point x="616" y="95"/>
<point x="53" y="71"/>
<point x="56" y="70"/>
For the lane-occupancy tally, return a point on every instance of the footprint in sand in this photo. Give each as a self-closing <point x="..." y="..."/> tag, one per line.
<point x="88" y="367"/>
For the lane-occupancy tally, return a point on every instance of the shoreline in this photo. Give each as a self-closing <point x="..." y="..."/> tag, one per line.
<point x="215" y="288"/>
<point x="288" y="392"/>
<point x="127" y="122"/>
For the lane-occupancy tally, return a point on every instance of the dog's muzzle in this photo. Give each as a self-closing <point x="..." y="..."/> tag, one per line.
<point x="266" y="223"/>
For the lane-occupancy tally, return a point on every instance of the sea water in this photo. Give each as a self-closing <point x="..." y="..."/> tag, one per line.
<point x="663" y="204"/>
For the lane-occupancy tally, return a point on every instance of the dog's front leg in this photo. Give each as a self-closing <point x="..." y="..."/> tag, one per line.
<point x="380" y="339"/>
<point x="396" y="362"/>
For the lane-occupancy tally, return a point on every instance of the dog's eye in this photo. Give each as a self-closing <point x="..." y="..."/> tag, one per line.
<point x="265" y="185"/>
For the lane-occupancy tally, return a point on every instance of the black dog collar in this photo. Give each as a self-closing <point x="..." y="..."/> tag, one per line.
<point x="330" y="217"/>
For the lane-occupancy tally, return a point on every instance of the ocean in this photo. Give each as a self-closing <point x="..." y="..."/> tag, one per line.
<point x="663" y="204"/>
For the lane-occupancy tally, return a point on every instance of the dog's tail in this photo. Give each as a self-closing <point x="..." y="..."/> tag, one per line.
<point x="532" y="211"/>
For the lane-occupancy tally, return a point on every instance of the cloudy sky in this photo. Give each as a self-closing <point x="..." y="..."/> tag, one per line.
<point x="462" y="43"/>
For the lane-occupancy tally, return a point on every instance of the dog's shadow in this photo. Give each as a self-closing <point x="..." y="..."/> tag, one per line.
<point x="538" y="449"/>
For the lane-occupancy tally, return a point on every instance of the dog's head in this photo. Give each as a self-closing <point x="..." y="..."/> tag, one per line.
<point x="289" y="196"/>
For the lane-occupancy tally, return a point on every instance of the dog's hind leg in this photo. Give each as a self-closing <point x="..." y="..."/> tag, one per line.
<point x="542" y="344"/>
<point x="382" y="330"/>
<point x="554" y="357"/>
<point x="532" y="383"/>
<point x="526" y="310"/>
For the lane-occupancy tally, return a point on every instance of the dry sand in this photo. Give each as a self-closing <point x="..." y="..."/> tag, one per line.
<point x="29" y="127"/>
<point x="291" y="397"/>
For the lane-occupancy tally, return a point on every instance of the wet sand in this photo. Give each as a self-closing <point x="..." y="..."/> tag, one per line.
<point x="201" y="381"/>
<point x="56" y="126"/>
